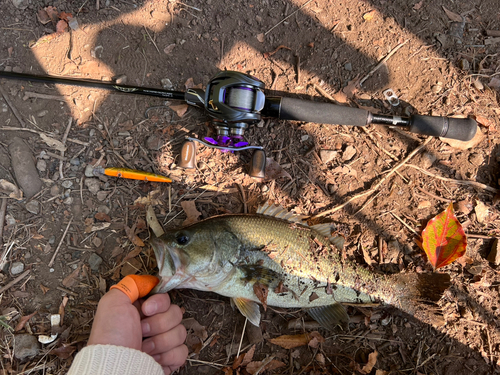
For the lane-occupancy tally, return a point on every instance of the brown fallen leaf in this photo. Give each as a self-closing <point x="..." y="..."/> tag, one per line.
<point x="23" y="321"/>
<point x="43" y="17"/>
<point x="192" y="214"/>
<point x="64" y="351"/>
<point x="372" y="360"/>
<point x="248" y="356"/>
<point x="72" y="279"/>
<point x="315" y="339"/>
<point x="199" y="330"/>
<point x="132" y="236"/>
<point x="101" y="216"/>
<point x="117" y="251"/>
<point x="274" y="170"/>
<point x="281" y="288"/>
<point x="418" y="5"/>
<point x="293" y="341"/>
<point x="352" y="87"/>
<point x="269" y="54"/>
<point x="180" y="109"/>
<point x="131" y="255"/>
<point x="485" y="122"/>
<point x="44" y="288"/>
<point x="261" y="291"/>
<point x="465" y="145"/>
<point x="53" y="13"/>
<point x="452" y="15"/>
<point x="168" y="49"/>
<point x="65" y="16"/>
<point x="253" y="367"/>
<point x="481" y="211"/>
<point x="61" y="27"/>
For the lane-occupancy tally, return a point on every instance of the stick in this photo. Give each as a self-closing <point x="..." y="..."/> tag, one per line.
<point x="154" y="44"/>
<point x="242" y="335"/>
<point x="377" y="185"/>
<point x="60" y="243"/>
<point x="460" y="182"/>
<point x="3" y="209"/>
<point x="29" y="94"/>
<point x="65" y="137"/>
<point x="287" y="17"/>
<point x="243" y="198"/>
<point x="377" y="67"/>
<point x="15" y="281"/>
<point x="13" y="109"/>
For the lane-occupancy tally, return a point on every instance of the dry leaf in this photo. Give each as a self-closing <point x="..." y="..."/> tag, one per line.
<point x="352" y="88"/>
<point x="320" y="358"/>
<point x="168" y="49"/>
<point x="132" y="236"/>
<point x="23" y="321"/>
<point x="248" y="356"/>
<point x="43" y="17"/>
<point x="189" y="83"/>
<point x="372" y="360"/>
<point x="315" y="339"/>
<point x="381" y="372"/>
<point x="51" y="142"/>
<point x="418" y="5"/>
<point x="368" y="16"/>
<point x="101" y="216"/>
<point x="11" y="189"/>
<point x="261" y="38"/>
<point x="484" y="122"/>
<point x="452" y="15"/>
<point x="52" y="13"/>
<point x="44" y="288"/>
<point x="346" y="170"/>
<point x="180" y="109"/>
<point x="349" y="153"/>
<point x="153" y="222"/>
<point x="261" y="291"/>
<point x="191" y="212"/>
<point x="132" y="254"/>
<point x="61" y="27"/>
<point x="274" y="170"/>
<point x="72" y="279"/>
<point x="227" y="370"/>
<point x="117" y="251"/>
<point x="65" y="16"/>
<point x="63" y="352"/>
<point x="253" y="367"/>
<point x="481" y="211"/>
<point x="197" y="328"/>
<point x="465" y="145"/>
<point x="293" y="341"/>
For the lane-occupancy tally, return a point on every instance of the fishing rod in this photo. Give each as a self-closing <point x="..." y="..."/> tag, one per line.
<point x="236" y="100"/>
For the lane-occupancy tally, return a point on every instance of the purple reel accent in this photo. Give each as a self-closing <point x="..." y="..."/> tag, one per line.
<point x="223" y="140"/>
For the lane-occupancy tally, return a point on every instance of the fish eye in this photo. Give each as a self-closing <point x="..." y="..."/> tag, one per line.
<point x="182" y="239"/>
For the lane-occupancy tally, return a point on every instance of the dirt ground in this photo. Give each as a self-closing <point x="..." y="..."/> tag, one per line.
<point x="443" y="68"/>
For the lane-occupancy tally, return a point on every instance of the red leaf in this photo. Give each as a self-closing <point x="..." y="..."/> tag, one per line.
<point x="61" y="27"/>
<point x="261" y="291"/>
<point x="443" y="239"/>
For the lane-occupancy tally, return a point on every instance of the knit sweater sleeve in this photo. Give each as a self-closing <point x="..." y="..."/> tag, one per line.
<point x="113" y="360"/>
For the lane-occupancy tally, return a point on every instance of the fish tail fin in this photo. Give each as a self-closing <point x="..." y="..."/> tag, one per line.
<point x="424" y="286"/>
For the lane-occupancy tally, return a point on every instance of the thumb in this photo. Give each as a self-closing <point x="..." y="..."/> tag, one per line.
<point x="136" y="286"/>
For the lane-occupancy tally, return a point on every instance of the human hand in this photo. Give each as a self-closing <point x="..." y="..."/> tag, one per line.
<point x="119" y="322"/>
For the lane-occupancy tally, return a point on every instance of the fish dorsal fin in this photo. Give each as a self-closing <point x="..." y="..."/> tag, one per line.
<point x="279" y="213"/>
<point x="325" y="231"/>
<point x="330" y="316"/>
<point x="249" y="309"/>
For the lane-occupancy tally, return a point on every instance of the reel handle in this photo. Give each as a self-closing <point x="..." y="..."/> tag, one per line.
<point x="188" y="155"/>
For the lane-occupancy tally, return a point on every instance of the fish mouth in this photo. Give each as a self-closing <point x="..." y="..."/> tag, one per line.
<point x="162" y="286"/>
<point x="170" y="270"/>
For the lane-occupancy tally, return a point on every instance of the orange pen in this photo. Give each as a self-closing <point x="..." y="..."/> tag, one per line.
<point x="135" y="174"/>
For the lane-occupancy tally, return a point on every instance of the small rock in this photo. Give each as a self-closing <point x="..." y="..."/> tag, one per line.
<point x="261" y="124"/>
<point x="69" y="201"/>
<point x="101" y="195"/>
<point x="476" y="159"/>
<point x="42" y="113"/>
<point x="8" y="69"/>
<point x="24" y="167"/>
<point x="427" y="160"/>
<point x="304" y="138"/>
<point x="25" y="346"/>
<point x="97" y="241"/>
<point x="121" y="80"/>
<point x="89" y="170"/>
<point x="349" y="153"/>
<point x="55" y="190"/>
<point x="33" y="207"/>
<point x="41" y="165"/>
<point x="17" y="69"/>
<point x="16" y="268"/>
<point x="494" y="255"/>
<point x="94" y="262"/>
<point x="348" y="67"/>
<point x="481" y="211"/>
<point x="166" y="83"/>
<point x="154" y="142"/>
<point x="463" y="206"/>
<point x="93" y="185"/>
<point x="67" y="184"/>
<point x="75" y="161"/>
<point x="9" y="219"/>
<point x="478" y="85"/>
<point x="327" y="156"/>
<point x="464" y="64"/>
<point x="52" y="240"/>
<point x="103" y="209"/>
<point x="264" y="188"/>
<point x="436" y="89"/>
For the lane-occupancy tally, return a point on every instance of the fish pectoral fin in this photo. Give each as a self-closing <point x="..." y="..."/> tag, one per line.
<point x="259" y="274"/>
<point x="325" y="230"/>
<point x="330" y="316"/>
<point x="249" y="309"/>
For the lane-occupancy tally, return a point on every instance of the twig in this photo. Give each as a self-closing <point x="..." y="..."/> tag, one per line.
<point x="242" y="335"/>
<point x="377" y="67"/>
<point x="287" y="17"/>
<point x="265" y="362"/>
<point x="204" y="362"/>
<point x="434" y="196"/>
<point x="29" y="94"/>
<point x="15" y="281"/>
<point x="370" y="135"/>
<point x="406" y="225"/>
<point x="154" y="44"/>
<point x="67" y="291"/>
<point x="460" y="182"/>
<point x="14" y="109"/>
<point x="324" y="93"/>
<point x="3" y="209"/>
<point x="60" y="243"/>
<point x="65" y="137"/>
<point x="298" y="67"/>
<point x="377" y="185"/>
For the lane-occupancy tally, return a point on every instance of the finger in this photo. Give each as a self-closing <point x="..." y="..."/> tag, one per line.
<point x="156" y="304"/>
<point x="165" y="341"/>
<point x="160" y="323"/>
<point x="174" y="358"/>
<point x="167" y="370"/>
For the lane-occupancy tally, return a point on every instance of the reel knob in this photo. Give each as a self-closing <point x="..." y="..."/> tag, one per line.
<point x="258" y="164"/>
<point x="188" y="155"/>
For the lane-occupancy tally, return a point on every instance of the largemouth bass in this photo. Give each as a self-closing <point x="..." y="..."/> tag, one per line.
<point x="274" y="258"/>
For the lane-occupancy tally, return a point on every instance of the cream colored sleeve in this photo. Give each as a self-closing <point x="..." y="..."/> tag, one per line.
<point x="113" y="360"/>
